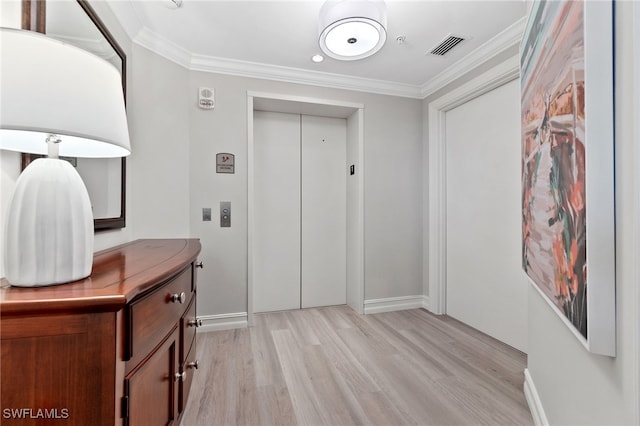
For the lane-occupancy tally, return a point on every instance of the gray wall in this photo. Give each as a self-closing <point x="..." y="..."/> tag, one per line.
<point x="393" y="212"/>
<point x="158" y="170"/>
<point x="576" y="387"/>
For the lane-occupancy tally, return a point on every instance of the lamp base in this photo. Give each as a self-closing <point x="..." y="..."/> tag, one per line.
<point x="49" y="234"/>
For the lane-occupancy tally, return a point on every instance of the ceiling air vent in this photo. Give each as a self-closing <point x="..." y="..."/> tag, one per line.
<point x="446" y="45"/>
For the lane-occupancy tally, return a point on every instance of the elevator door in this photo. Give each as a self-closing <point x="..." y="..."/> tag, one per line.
<point x="276" y="230"/>
<point x="299" y="236"/>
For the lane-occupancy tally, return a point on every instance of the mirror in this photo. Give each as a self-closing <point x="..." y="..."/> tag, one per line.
<point x="76" y="23"/>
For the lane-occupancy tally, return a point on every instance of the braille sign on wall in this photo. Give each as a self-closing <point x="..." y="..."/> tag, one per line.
<point x="225" y="163"/>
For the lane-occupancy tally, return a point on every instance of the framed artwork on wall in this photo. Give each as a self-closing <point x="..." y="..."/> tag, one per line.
<point x="568" y="220"/>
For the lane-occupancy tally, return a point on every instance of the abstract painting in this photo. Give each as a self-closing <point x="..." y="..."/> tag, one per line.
<point x="568" y="233"/>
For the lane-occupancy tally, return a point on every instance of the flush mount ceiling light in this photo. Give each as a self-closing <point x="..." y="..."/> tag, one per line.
<point x="352" y="29"/>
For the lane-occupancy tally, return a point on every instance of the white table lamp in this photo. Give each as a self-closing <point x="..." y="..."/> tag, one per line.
<point x="55" y="99"/>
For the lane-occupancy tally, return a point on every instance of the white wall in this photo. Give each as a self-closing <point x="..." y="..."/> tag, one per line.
<point x="393" y="210"/>
<point x="574" y="386"/>
<point x="393" y="206"/>
<point x="158" y="167"/>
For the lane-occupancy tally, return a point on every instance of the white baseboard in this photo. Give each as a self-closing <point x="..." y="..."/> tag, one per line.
<point x="374" y="306"/>
<point x="222" y="322"/>
<point x="426" y="303"/>
<point x="535" y="405"/>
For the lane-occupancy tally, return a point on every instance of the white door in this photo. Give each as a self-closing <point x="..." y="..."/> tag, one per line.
<point x="324" y="211"/>
<point x="485" y="286"/>
<point x="276" y="243"/>
<point x="299" y="211"/>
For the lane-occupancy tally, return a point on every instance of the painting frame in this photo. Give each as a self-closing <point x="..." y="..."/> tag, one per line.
<point x="568" y="200"/>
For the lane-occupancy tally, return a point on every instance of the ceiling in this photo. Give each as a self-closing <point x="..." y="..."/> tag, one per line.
<point x="276" y="39"/>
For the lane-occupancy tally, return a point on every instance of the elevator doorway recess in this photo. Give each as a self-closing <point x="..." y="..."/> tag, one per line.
<point x="353" y="113"/>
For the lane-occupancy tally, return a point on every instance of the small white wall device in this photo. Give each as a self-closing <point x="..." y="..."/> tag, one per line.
<point x="205" y="98"/>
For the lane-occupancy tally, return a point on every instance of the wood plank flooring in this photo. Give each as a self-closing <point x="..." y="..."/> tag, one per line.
<point x="331" y="366"/>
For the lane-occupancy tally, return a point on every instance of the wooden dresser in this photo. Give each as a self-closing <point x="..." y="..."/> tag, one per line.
<point x="115" y="348"/>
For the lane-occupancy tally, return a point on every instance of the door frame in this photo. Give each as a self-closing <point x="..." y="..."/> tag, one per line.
<point x="354" y="114"/>
<point x="435" y="177"/>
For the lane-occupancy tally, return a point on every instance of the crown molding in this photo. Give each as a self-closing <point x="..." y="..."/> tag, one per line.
<point x="504" y="40"/>
<point x="301" y="76"/>
<point x="163" y="47"/>
<point x="175" y="53"/>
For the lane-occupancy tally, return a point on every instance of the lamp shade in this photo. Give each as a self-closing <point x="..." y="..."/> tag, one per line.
<point x="50" y="87"/>
<point x="54" y="98"/>
<point x="352" y="29"/>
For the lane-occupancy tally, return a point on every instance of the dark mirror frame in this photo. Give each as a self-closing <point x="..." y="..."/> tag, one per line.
<point x="34" y="19"/>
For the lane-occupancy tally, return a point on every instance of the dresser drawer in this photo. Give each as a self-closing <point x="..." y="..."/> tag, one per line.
<point x="152" y="317"/>
<point x="188" y="324"/>
<point x="188" y="368"/>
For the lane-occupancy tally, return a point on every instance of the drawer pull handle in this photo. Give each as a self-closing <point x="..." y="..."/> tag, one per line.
<point x="178" y="298"/>
<point x="193" y="364"/>
<point x="194" y="323"/>
<point x="200" y="265"/>
<point x="181" y="376"/>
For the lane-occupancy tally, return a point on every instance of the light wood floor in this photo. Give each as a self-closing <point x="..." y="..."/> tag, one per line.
<point x="331" y="366"/>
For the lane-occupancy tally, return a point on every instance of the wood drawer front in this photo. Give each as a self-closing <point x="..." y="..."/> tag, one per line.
<point x="188" y="326"/>
<point x="153" y="316"/>
<point x="189" y="371"/>
<point x="152" y="389"/>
